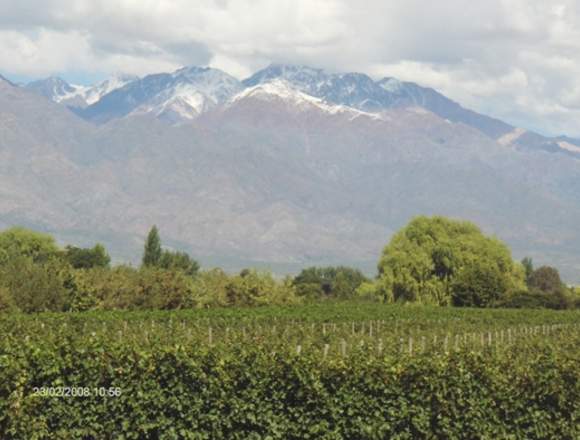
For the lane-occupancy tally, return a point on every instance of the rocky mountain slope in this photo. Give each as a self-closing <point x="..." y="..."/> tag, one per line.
<point x="291" y="167"/>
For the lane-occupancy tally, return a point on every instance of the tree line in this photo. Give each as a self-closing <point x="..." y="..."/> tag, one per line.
<point x="433" y="260"/>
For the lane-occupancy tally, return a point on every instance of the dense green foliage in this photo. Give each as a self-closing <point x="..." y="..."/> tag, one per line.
<point x="328" y="282"/>
<point x="545" y="290"/>
<point x="434" y="260"/>
<point x="431" y="261"/>
<point x="479" y="284"/>
<point x="528" y="266"/>
<point x="21" y="242"/>
<point x="546" y="279"/>
<point x="81" y="258"/>
<point x="152" y="252"/>
<point x="178" y="261"/>
<point x="37" y="276"/>
<point x="238" y="373"/>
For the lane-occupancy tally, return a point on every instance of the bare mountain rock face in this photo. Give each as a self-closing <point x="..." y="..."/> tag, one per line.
<point x="291" y="167"/>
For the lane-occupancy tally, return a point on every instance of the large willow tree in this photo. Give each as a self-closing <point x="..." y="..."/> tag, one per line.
<point x="436" y="260"/>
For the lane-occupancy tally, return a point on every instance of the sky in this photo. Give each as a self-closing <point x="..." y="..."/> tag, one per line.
<point x="518" y="60"/>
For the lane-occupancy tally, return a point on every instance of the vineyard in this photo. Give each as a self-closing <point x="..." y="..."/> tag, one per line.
<point x="322" y="371"/>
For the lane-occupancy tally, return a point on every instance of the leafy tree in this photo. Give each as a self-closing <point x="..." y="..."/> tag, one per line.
<point x="478" y="285"/>
<point x="179" y="261"/>
<point x="528" y="265"/>
<point x="337" y="282"/>
<point x="546" y="279"/>
<point x="82" y="258"/>
<point x="423" y="260"/>
<point x="21" y="242"/>
<point x="152" y="253"/>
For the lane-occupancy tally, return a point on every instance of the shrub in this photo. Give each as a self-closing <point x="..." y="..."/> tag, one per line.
<point x="253" y="288"/>
<point x="36" y="287"/>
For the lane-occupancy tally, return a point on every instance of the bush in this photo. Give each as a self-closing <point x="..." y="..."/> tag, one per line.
<point x="536" y="299"/>
<point x="253" y="288"/>
<point x="127" y="288"/>
<point x="370" y="291"/>
<point x="209" y="289"/>
<point x="36" y="287"/>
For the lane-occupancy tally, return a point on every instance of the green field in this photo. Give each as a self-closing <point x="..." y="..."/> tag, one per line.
<point x="329" y="371"/>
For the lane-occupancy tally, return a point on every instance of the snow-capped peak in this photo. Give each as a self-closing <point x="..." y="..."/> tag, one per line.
<point x="55" y="89"/>
<point x="58" y="90"/>
<point x="95" y="93"/>
<point x="286" y="92"/>
<point x="278" y="88"/>
<point x="355" y="90"/>
<point x="184" y="94"/>
<point x="213" y="83"/>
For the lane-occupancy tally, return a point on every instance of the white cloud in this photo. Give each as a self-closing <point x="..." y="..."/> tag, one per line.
<point x="515" y="59"/>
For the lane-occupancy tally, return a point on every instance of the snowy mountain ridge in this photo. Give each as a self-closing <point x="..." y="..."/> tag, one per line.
<point x="284" y="91"/>
<point x="185" y="94"/>
<point x="74" y="95"/>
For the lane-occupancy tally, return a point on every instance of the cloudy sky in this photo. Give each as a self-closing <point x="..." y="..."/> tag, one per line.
<point x="515" y="59"/>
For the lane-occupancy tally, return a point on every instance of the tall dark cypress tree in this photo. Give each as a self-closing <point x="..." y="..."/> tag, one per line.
<point x="152" y="252"/>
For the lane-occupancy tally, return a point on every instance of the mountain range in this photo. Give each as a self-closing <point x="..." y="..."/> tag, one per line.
<point x="290" y="167"/>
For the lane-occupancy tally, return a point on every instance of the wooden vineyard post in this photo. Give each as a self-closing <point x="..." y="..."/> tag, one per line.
<point x="410" y="345"/>
<point x="343" y="348"/>
<point x="446" y="344"/>
<point x="210" y="336"/>
<point x="380" y="348"/>
<point x="326" y="348"/>
<point x="298" y="349"/>
<point x="423" y="344"/>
